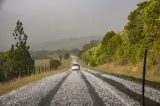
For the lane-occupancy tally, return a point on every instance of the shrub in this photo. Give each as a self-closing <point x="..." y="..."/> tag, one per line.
<point x="54" y="63"/>
<point x="66" y="56"/>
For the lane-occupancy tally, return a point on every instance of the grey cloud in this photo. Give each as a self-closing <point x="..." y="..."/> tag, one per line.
<point x="47" y="20"/>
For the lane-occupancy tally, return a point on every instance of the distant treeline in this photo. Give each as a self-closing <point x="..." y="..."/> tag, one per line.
<point x="127" y="47"/>
<point x="17" y="61"/>
<point x="43" y="54"/>
<point x="63" y="52"/>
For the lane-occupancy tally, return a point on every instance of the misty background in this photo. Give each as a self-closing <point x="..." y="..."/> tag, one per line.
<point x="49" y="23"/>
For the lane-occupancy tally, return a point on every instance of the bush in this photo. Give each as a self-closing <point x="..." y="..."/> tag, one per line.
<point x="142" y="31"/>
<point x="66" y="56"/>
<point x="54" y="63"/>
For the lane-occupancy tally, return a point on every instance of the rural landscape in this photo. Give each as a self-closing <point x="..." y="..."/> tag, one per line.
<point x="80" y="53"/>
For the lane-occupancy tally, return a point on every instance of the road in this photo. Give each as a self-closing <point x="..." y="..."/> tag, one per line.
<point x="81" y="88"/>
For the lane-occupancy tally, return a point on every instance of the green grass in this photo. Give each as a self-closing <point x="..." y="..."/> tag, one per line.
<point x="41" y="63"/>
<point x="45" y="63"/>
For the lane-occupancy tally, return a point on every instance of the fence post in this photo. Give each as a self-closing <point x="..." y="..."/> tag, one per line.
<point x="28" y="71"/>
<point x="19" y="73"/>
<point x="5" y="76"/>
<point x="143" y="81"/>
<point x="39" y="70"/>
<point x="34" y="71"/>
<point x="42" y="69"/>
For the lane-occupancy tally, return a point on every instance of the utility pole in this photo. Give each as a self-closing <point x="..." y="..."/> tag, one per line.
<point x="143" y="80"/>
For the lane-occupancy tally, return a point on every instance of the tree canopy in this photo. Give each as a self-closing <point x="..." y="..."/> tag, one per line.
<point x="17" y="61"/>
<point x="141" y="31"/>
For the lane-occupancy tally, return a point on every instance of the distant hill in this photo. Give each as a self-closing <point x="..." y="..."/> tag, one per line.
<point x="70" y="43"/>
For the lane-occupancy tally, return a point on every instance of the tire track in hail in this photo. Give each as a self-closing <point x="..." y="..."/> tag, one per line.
<point x="127" y="91"/>
<point x="94" y="96"/>
<point x="48" y="98"/>
<point x="0" y="102"/>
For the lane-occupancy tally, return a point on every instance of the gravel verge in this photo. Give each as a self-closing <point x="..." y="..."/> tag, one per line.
<point x="31" y="94"/>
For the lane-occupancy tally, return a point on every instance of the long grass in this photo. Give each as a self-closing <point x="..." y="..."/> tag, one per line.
<point x="19" y="82"/>
<point x="130" y="70"/>
<point x="127" y="70"/>
<point x="41" y="63"/>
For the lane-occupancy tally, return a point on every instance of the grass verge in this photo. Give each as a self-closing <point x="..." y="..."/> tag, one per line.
<point x="41" y="63"/>
<point x="129" y="72"/>
<point x="19" y="82"/>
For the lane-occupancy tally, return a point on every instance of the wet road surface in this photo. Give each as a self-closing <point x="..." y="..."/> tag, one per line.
<point x="81" y="88"/>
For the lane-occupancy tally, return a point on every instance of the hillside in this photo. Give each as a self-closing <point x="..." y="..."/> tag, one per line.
<point x="70" y="43"/>
<point x="126" y="49"/>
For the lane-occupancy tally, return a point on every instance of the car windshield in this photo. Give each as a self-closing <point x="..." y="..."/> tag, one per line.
<point x="79" y="52"/>
<point x="75" y="65"/>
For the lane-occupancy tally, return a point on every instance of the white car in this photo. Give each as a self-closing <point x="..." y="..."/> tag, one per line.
<point x="76" y="67"/>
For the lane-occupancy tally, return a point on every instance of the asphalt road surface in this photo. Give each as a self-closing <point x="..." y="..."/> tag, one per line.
<point x="81" y="88"/>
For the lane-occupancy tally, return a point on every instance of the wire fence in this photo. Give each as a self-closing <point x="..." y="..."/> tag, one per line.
<point x="28" y="72"/>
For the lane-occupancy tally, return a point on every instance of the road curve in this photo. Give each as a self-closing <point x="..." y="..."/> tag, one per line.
<point x="80" y="88"/>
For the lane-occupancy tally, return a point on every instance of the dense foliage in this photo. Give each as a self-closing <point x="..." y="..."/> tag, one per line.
<point x="91" y="44"/>
<point x="66" y="56"/>
<point x="43" y="54"/>
<point x="17" y="61"/>
<point x="142" y="31"/>
<point x="54" y="63"/>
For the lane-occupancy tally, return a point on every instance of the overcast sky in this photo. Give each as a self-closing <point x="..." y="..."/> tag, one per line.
<point x="47" y="20"/>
